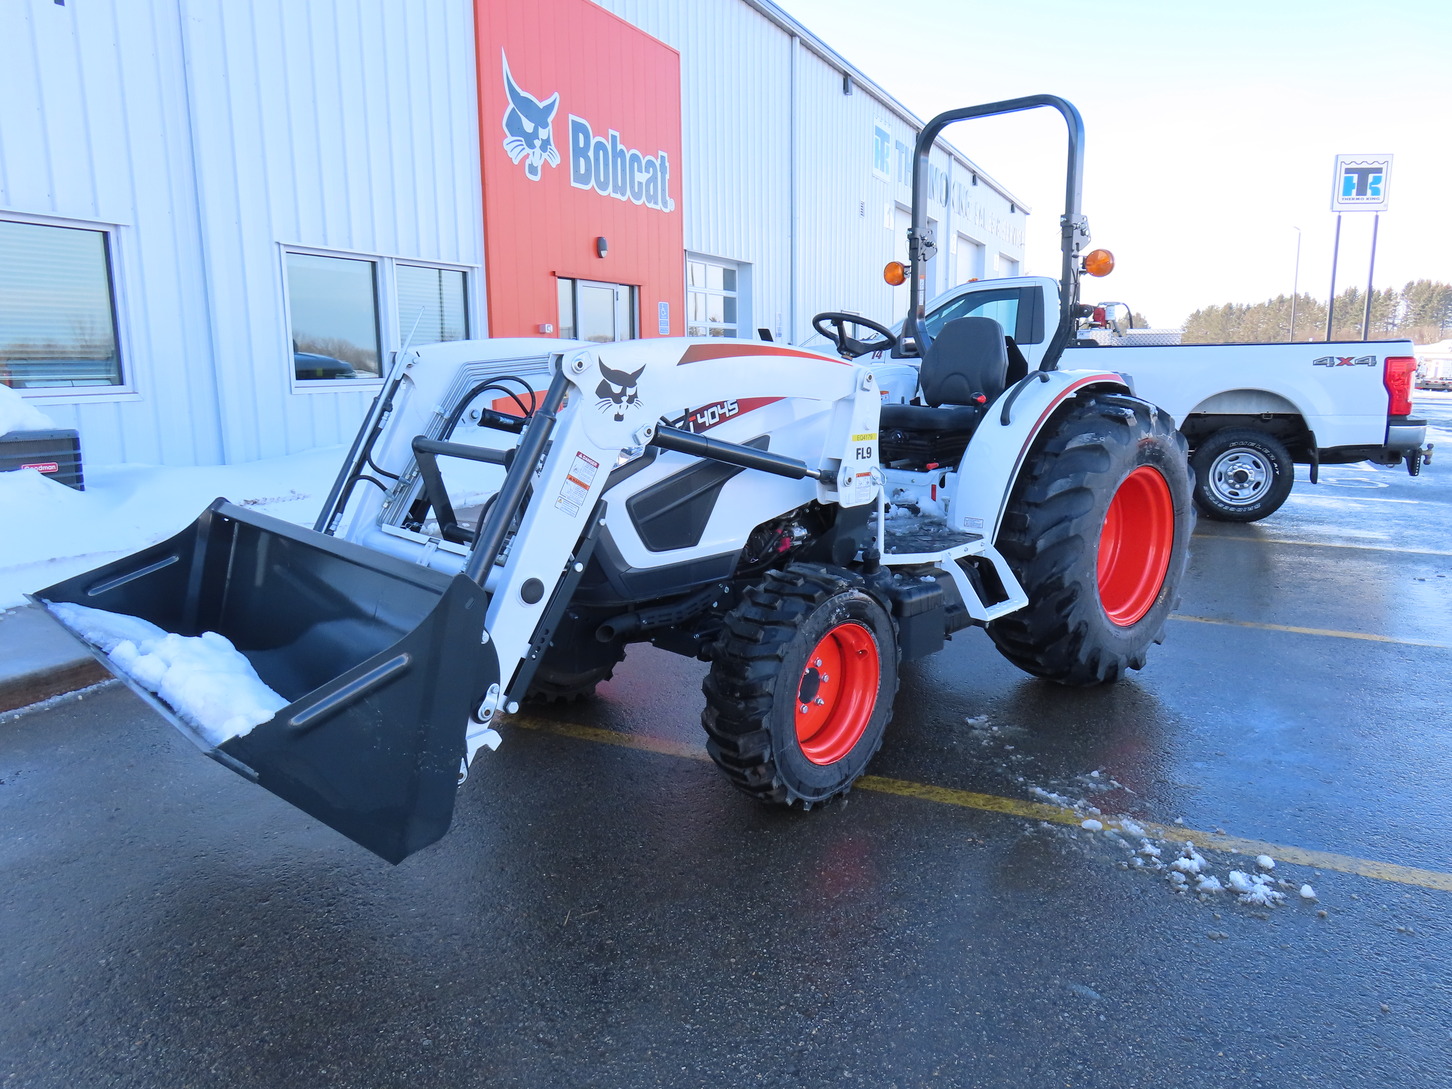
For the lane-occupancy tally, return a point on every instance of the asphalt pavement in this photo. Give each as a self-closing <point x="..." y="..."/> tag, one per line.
<point x="607" y="911"/>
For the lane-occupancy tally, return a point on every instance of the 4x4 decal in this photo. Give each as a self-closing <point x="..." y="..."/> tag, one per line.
<point x="1345" y="361"/>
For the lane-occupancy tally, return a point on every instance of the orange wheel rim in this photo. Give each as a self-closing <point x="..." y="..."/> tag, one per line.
<point x="836" y="693"/>
<point x="1135" y="545"/>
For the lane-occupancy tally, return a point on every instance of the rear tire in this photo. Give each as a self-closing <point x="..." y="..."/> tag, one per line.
<point x="801" y="686"/>
<point x="1242" y="475"/>
<point x="1097" y="532"/>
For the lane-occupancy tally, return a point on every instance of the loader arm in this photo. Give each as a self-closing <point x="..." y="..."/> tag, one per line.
<point x="604" y="407"/>
<point x="393" y="663"/>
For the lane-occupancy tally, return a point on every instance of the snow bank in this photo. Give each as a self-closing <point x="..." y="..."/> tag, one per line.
<point x="18" y="414"/>
<point x="53" y="532"/>
<point x="204" y="679"/>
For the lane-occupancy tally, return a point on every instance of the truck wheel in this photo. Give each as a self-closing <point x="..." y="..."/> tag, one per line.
<point x="1241" y="475"/>
<point x="801" y="685"/>
<point x="1097" y="532"/>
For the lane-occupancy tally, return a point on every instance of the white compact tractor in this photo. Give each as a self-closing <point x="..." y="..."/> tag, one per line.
<point x="514" y="514"/>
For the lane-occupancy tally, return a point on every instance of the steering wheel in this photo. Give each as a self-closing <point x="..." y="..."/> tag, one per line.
<point x="833" y="324"/>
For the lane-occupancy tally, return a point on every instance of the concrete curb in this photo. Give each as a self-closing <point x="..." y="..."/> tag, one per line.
<point x="39" y="659"/>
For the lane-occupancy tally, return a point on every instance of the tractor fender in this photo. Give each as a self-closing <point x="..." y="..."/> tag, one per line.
<point x="1001" y="444"/>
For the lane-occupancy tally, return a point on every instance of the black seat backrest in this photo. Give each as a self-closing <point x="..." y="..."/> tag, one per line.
<point x="969" y="356"/>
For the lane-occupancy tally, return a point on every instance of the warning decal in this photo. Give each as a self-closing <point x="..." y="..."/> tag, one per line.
<point x="576" y="488"/>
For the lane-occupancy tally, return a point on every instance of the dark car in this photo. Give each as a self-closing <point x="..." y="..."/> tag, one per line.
<point x="310" y="366"/>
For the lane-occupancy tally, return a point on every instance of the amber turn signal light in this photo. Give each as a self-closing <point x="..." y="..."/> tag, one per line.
<point x="1099" y="262"/>
<point x="895" y="273"/>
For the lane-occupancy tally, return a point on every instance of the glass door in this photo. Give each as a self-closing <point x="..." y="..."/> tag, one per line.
<point x="596" y="311"/>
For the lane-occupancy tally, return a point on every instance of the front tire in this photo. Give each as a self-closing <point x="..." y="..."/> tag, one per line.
<point x="1242" y="475"/>
<point x="565" y="676"/>
<point x="1097" y="532"/>
<point x="801" y="686"/>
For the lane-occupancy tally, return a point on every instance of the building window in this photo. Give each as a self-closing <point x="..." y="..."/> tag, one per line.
<point x="432" y="305"/>
<point x="334" y="306"/>
<point x="345" y="309"/>
<point x="57" y="307"/>
<point x="711" y="299"/>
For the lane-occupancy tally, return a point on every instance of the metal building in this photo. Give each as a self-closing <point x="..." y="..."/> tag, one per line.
<point x="218" y="221"/>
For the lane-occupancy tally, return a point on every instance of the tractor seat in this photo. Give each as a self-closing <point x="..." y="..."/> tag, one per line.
<point x="966" y="366"/>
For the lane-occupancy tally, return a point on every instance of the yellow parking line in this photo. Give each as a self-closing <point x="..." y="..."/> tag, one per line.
<point x="992" y="803"/>
<point x="1329" y="632"/>
<point x="1320" y="544"/>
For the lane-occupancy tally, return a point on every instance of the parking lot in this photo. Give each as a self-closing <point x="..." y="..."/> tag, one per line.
<point x="997" y="904"/>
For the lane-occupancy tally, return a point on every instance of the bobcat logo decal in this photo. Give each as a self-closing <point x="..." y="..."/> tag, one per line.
<point x="527" y="127"/>
<point x="617" y="391"/>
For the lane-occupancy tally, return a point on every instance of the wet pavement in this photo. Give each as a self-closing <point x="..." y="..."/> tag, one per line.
<point x="608" y="912"/>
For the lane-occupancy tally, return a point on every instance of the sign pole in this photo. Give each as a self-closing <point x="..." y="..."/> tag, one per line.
<point x="1295" y="283"/>
<point x="1370" y="272"/>
<point x="1331" y="301"/>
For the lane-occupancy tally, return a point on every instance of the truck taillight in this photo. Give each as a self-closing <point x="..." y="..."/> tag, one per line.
<point x="1398" y="380"/>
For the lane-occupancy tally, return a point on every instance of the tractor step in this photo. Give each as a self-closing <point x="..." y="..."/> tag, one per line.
<point x="909" y="542"/>
<point x="921" y="536"/>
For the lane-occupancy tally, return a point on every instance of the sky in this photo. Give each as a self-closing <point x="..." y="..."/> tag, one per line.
<point x="1211" y="130"/>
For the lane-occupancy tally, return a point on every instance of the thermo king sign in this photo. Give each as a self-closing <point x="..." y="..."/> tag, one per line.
<point x="1360" y="183"/>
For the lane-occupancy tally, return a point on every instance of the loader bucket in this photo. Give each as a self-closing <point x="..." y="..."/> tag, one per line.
<point x="381" y="660"/>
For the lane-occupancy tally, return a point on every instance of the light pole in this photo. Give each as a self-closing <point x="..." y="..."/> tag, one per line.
<point x="1295" y="282"/>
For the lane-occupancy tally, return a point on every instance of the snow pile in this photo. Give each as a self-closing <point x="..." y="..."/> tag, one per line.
<point x="204" y="678"/>
<point x="1149" y="848"/>
<point x="1256" y="889"/>
<point x="126" y="508"/>
<point x="18" y="414"/>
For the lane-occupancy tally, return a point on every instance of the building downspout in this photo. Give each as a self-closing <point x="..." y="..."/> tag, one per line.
<point x="796" y="334"/>
<point x="219" y="450"/>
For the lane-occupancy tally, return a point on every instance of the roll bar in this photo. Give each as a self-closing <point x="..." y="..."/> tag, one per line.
<point x="1073" y="226"/>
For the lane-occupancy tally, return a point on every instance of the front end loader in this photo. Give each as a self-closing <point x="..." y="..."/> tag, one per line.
<point x="515" y="514"/>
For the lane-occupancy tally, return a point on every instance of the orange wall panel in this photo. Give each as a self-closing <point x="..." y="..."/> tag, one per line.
<point x="580" y="138"/>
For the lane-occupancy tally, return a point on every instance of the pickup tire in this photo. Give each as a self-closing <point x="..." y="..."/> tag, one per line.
<point x="801" y="685"/>
<point x="1241" y="475"/>
<point x="1097" y="532"/>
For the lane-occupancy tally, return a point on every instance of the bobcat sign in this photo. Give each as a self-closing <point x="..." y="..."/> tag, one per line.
<point x="604" y="165"/>
<point x="616" y="171"/>
<point x="580" y="152"/>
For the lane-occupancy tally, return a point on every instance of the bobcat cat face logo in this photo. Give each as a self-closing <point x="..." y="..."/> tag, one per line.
<point x="617" y="391"/>
<point x="528" y="132"/>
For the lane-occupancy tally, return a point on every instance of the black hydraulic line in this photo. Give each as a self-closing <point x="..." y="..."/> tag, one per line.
<point x="489" y="384"/>
<point x="729" y="453"/>
<point x="360" y="452"/>
<point x="511" y="496"/>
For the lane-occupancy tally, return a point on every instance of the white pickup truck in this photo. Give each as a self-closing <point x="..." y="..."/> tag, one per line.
<point x="1249" y="411"/>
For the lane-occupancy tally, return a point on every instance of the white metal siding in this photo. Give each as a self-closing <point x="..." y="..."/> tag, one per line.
<point x="206" y="136"/>
<point x="735" y="137"/>
<point x="94" y="132"/>
<point x="778" y="164"/>
<point x="210" y="135"/>
<point x="347" y="125"/>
